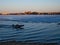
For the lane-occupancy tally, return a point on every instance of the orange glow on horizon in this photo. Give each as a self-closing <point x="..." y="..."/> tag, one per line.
<point x="5" y="12"/>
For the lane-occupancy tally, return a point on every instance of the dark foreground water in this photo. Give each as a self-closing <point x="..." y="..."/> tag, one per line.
<point x="43" y="29"/>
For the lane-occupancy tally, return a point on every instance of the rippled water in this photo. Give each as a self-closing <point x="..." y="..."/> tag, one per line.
<point x="43" y="29"/>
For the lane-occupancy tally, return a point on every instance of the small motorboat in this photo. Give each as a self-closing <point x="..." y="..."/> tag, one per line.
<point x="17" y="26"/>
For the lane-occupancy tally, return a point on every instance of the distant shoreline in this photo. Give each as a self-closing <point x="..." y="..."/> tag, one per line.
<point x="32" y="13"/>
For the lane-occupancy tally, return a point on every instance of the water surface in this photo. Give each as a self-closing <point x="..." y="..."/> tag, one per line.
<point x="37" y="28"/>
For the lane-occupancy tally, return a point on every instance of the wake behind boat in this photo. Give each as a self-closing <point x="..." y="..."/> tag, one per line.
<point x="17" y="26"/>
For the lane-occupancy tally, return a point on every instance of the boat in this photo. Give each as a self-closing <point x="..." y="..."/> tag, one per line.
<point x="17" y="26"/>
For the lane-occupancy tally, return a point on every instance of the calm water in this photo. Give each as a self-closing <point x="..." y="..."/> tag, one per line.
<point x="37" y="28"/>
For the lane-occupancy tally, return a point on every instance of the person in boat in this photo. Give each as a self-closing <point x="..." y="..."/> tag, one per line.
<point x="17" y="26"/>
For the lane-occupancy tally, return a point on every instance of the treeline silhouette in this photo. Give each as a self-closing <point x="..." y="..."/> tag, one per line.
<point x="33" y="13"/>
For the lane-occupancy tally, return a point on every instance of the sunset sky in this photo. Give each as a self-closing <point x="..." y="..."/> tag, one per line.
<point x="30" y="5"/>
